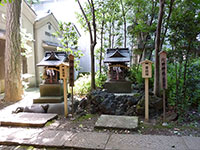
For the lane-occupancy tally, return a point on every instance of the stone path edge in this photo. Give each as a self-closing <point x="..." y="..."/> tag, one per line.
<point x="191" y="145"/>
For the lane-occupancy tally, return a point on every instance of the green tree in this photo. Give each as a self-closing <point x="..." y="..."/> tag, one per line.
<point x="157" y="49"/>
<point x="91" y="26"/>
<point x="182" y="36"/>
<point x="69" y="41"/>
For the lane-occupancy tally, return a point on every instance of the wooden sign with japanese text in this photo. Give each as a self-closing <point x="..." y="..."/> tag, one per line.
<point x="163" y="69"/>
<point x="63" y="71"/>
<point x="146" y="74"/>
<point x="146" y="69"/>
<point x="71" y="70"/>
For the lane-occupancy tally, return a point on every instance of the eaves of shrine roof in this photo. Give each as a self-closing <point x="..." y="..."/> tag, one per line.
<point x="53" y="59"/>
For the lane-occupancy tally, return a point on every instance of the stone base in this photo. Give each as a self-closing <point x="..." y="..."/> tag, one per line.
<point x="49" y="99"/>
<point x="50" y="93"/>
<point x="51" y="90"/>
<point x="118" y="86"/>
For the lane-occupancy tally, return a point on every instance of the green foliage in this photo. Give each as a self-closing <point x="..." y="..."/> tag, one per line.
<point x="5" y="1"/>
<point x="100" y="79"/>
<point x="85" y="117"/>
<point x="183" y="68"/>
<point x="175" y="85"/>
<point x="26" y="42"/>
<point x="69" y="40"/>
<point x="83" y="83"/>
<point x="135" y="75"/>
<point x="49" y="123"/>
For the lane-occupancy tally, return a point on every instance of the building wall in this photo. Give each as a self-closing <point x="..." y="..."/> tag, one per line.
<point x="66" y="13"/>
<point x="44" y="33"/>
<point x="27" y="18"/>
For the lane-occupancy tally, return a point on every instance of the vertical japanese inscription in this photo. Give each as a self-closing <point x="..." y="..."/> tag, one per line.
<point x="71" y="70"/>
<point x="163" y="67"/>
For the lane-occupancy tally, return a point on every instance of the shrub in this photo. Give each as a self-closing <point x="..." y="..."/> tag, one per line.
<point x="83" y="83"/>
<point x="135" y="75"/>
<point x="175" y="92"/>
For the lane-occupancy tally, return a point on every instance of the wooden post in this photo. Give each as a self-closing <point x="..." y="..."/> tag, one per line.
<point x="163" y="75"/>
<point x="65" y="97"/>
<point x="146" y="74"/>
<point x="164" y="106"/>
<point x="72" y="101"/>
<point x="146" y="99"/>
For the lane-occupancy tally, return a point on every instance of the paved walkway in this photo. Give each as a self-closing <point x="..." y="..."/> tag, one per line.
<point x="94" y="140"/>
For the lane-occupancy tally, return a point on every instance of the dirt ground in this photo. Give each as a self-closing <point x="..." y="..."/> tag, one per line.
<point x="86" y="124"/>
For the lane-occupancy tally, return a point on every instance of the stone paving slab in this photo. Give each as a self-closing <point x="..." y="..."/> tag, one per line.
<point x="51" y="138"/>
<point x="26" y="119"/>
<point x="145" y="142"/>
<point x="17" y="136"/>
<point x="87" y="140"/>
<point x="192" y="142"/>
<point x="94" y="140"/>
<point x="119" y="122"/>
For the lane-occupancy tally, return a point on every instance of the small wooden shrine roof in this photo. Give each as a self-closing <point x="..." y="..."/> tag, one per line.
<point x="117" y="55"/>
<point x="53" y="59"/>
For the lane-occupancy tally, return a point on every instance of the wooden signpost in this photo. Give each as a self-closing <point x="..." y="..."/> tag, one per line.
<point x="71" y="79"/>
<point x="146" y="73"/>
<point x="63" y="69"/>
<point x="163" y="75"/>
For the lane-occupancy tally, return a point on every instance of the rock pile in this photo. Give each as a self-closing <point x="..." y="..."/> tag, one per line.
<point x="102" y="102"/>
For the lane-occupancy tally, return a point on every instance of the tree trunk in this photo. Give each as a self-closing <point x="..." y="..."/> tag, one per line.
<point x="166" y="27"/>
<point x="113" y="35"/>
<point x="93" y="37"/>
<point x="101" y="50"/>
<point x="185" y="74"/>
<point x="124" y="19"/>
<point x="157" y="50"/>
<point x="110" y="35"/>
<point x="13" y="83"/>
<point x="92" y="67"/>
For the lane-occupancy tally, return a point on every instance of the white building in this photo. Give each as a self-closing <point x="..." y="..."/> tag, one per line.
<point x="41" y="29"/>
<point x="65" y="10"/>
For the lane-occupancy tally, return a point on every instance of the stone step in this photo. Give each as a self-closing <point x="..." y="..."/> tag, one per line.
<point x="49" y="99"/>
<point x="26" y="119"/>
<point x="117" y="122"/>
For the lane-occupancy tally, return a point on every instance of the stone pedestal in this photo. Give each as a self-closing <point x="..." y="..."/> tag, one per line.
<point x="50" y="93"/>
<point x="118" y="86"/>
<point x="51" y="90"/>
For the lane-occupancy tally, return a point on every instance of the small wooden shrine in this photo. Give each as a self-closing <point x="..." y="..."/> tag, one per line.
<point x="51" y="62"/>
<point x="118" y="60"/>
<point x="51" y="88"/>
